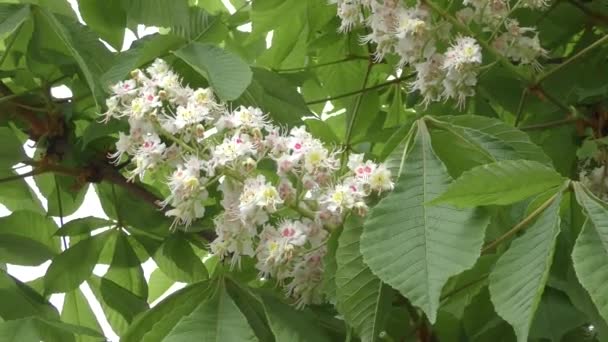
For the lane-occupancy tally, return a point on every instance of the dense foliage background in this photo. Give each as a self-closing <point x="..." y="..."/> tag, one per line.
<point x="497" y="229"/>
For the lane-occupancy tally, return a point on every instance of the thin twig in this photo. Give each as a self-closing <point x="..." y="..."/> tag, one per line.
<point x="549" y="124"/>
<point x="570" y="60"/>
<point x="364" y="90"/>
<point x="353" y="117"/>
<point x="60" y="207"/>
<point x="522" y="224"/>
<point x="116" y="207"/>
<point x="520" y="106"/>
<point x="320" y="65"/>
<point x="21" y="176"/>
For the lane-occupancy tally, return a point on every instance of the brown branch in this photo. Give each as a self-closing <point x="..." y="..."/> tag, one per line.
<point x="598" y="18"/>
<point x="21" y="176"/>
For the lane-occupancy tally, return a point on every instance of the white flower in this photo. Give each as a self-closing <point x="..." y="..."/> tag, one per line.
<point x="123" y="88"/>
<point x="231" y="149"/>
<point x="380" y="179"/>
<point x="124" y="145"/>
<point x="350" y="13"/>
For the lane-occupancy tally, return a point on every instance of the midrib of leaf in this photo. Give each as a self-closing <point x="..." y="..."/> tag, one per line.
<point x="424" y="135"/>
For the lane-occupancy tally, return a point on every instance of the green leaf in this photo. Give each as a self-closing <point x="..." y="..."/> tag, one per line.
<point x="17" y="195"/>
<point x="12" y="150"/>
<point x="361" y="297"/>
<point x="177" y="260"/>
<point x="330" y="266"/>
<point x="133" y="212"/>
<point x="70" y="190"/>
<point x="590" y="259"/>
<point x="199" y="21"/>
<point x="19" y="250"/>
<point x="251" y="306"/>
<point x="492" y="137"/>
<point x="125" y="269"/>
<point x="73" y="45"/>
<point x="156" y="12"/>
<point x="520" y="275"/>
<point x="289" y="324"/>
<point x="417" y="248"/>
<point x="110" y="28"/>
<point x="596" y="211"/>
<point x="19" y="300"/>
<point x="555" y="317"/>
<point x="11" y="16"/>
<point x="154" y="324"/>
<point x="84" y="225"/>
<point x="501" y="183"/>
<point x="227" y="73"/>
<point x="215" y="319"/>
<point x="76" y="310"/>
<point x="276" y="96"/>
<point x="38" y="329"/>
<point x="119" y="305"/>
<point x="70" y="268"/>
<point x="460" y="290"/>
<point x="271" y="14"/>
<point x="143" y="51"/>
<point x="396" y="110"/>
<point x="23" y="330"/>
<point x="32" y="238"/>
<point x="159" y="284"/>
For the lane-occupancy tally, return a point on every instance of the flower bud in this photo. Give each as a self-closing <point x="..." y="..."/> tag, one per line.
<point x="199" y="130"/>
<point x="249" y="164"/>
<point x="135" y="74"/>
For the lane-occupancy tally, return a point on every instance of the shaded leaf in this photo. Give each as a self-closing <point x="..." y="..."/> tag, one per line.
<point x="177" y="260"/>
<point x="519" y="278"/>
<point x="361" y="297"/>
<point x="289" y="324"/>
<point x="76" y="310"/>
<point x="227" y="73"/>
<point x="119" y="305"/>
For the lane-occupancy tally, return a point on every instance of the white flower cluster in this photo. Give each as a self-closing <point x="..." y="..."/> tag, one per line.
<point x="415" y="36"/>
<point x="279" y="218"/>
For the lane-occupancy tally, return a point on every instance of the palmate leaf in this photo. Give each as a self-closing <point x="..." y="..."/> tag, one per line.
<point x="76" y="310"/>
<point x="416" y="248"/>
<point x="289" y="324"/>
<point x="361" y="297"/>
<point x="125" y="269"/>
<point x="501" y="183"/>
<point x="215" y="319"/>
<point x="519" y="277"/>
<point x="156" y="323"/>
